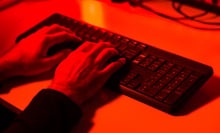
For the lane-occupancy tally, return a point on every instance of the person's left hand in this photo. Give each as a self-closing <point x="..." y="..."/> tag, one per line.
<point x="28" y="57"/>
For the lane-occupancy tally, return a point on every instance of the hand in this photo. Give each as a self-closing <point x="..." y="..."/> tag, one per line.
<point x="84" y="72"/>
<point x="28" y="57"/>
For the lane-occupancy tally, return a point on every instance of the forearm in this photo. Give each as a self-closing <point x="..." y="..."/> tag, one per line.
<point x="6" y="69"/>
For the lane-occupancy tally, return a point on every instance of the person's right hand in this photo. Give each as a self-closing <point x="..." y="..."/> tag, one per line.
<point x="84" y="72"/>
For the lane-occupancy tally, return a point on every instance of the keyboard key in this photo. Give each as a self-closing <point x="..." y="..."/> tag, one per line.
<point x="133" y="43"/>
<point x="156" y="64"/>
<point x="188" y="83"/>
<point x="167" y="66"/>
<point x="134" y="83"/>
<point x="129" y="55"/>
<point x="63" y="22"/>
<point x="78" y="27"/>
<point x="172" y="85"/>
<point x="182" y="89"/>
<point x="83" y="31"/>
<point x="90" y="32"/>
<point x="115" y="39"/>
<point x="74" y="26"/>
<point x="172" y="98"/>
<point x="162" y="94"/>
<point x="128" y="77"/>
<point x="164" y="69"/>
<point x="71" y="24"/>
<point x="133" y="50"/>
<point x="174" y="71"/>
<point x="96" y="37"/>
<point x="148" y="61"/>
<point x="139" y="58"/>
<point x="148" y="90"/>
<point x="141" y="46"/>
<point x="179" y="78"/>
<point x="122" y="47"/>
<point x="151" y="81"/>
<point x="158" y="86"/>
<point x="125" y="40"/>
<point x="107" y="36"/>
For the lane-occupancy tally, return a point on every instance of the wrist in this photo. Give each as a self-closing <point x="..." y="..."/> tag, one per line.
<point x="69" y="92"/>
<point x="6" y="69"/>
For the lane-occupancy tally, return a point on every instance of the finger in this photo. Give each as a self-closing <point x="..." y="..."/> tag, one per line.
<point x="41" y="31"/>
<point x="58" y="38"/>
<point x="66" y="66"/>
<point x="97" y="49"/>
<point x="57" y="28"/>
<point x="113" y="67"/>
<point x="104" y="56"/>
<point x="62" y="36"/>
<point x="86" y="46"/>
<point x="56" y="59"/>
<point x="52" y="29"/>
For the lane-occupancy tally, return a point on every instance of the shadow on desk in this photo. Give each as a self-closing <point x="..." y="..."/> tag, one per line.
<point x="104" y="97"/>
<point x="18" y="81"/>
<point x="209" y="92"/>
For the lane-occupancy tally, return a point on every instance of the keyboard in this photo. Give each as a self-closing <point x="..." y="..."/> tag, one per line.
<point x="151" y="75"/>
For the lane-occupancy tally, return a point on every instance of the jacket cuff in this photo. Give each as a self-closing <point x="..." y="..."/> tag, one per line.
<point x="51" y="111"/>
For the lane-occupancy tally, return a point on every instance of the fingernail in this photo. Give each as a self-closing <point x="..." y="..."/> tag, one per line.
<point x="80" y="39"/>
<point x="122" y="60"/>
<point x="77" y="37"/>
<point x="108" y="44"/>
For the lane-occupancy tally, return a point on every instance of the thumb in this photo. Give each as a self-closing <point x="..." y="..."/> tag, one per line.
<point x="57" y="58"/>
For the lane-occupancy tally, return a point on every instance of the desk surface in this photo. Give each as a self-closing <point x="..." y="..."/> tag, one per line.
<point x="111" y="112"/>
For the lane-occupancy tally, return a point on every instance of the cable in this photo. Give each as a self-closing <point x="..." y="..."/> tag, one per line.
<point x="187" y="16"/>
<point x="178" y="19"/>
<point x="139" y="3"/>
<point x="178" y="9"/>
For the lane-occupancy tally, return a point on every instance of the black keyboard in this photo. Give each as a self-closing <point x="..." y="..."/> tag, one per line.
<point x="151" y="75"/>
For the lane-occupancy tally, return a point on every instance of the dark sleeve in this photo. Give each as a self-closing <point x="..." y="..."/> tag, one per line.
<point x="49" y="112"/>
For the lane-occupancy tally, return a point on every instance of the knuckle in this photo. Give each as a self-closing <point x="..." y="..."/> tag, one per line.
<point x="88" y="43"/>
<point x="47" y="38"/>
<point x="112" y="51"/>
<point x="65" y="35"/>
<point x="92" y="43"/>
<point x="44" y="28"/>
<point x="56" y="26"/>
